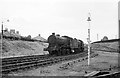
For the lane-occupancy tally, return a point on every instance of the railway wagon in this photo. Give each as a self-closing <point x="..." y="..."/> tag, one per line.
<point x="63" y="45"/>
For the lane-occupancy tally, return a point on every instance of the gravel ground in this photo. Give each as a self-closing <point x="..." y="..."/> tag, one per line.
<point x="103" y="62"/>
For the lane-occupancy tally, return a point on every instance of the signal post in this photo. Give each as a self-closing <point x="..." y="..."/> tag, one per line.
<point x="89" y="19"/>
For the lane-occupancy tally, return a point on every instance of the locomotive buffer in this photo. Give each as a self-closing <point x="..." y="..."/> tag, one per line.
<point x="88" y="39"/>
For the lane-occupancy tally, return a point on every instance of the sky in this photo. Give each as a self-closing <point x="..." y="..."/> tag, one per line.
<point x="64" y="17"/>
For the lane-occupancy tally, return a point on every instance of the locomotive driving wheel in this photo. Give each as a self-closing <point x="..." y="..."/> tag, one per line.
<point x="76" y="50"/>
<point x="68" y="51"/>
<point x="58" y="52"/>
<point x="63" y="52"/>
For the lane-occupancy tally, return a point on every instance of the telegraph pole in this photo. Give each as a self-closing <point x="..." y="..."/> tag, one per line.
<point x="97" y="37"/>
<point x="1" y="48"/>
<point x="89" y="19"/>
<point x="1" y="37"/>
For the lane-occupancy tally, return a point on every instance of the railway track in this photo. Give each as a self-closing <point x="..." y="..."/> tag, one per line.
<point x="25" y="62"/>
<point x="17" y="63"/>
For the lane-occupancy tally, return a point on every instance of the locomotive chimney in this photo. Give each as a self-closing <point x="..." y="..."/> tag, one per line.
<point x="53" y="33"/>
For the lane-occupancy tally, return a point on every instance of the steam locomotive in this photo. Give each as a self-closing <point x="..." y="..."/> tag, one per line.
<point x="63" y="45"/>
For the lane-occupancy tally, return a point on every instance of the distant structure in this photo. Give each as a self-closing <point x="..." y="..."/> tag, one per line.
<point x="29" y="36"/>
<point x="39" y="38"/>
<point x="104" y="38"/>
<point x="12" y="32"/>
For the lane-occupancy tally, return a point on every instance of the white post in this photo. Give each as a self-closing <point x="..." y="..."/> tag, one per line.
<point x="89" y="39"/>
<point x="89" y="46"/>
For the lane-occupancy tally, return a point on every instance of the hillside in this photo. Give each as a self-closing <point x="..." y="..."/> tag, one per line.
<point x="109" y="46"/>
<point x="22" y="48"/>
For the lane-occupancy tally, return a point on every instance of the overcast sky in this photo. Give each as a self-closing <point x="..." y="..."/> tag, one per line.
<point x="64" y="17"/>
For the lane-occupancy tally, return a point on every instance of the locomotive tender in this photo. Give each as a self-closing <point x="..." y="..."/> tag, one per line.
<point x="63" y="45"/>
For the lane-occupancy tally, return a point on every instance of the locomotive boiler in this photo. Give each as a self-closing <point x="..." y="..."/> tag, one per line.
<point x="63" y="45"/>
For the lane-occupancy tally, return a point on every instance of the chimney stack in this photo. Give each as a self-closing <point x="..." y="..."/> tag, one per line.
<point x="12" y="31"/>
<point x="6" y="30"/>
<point x="17" y="32"/>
